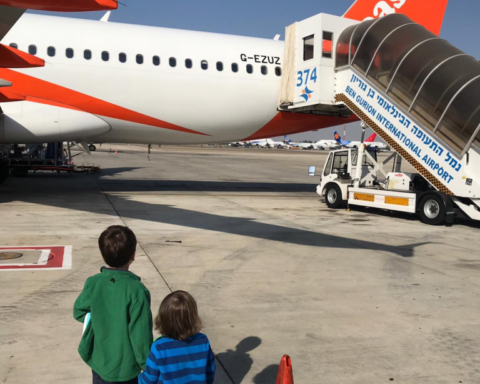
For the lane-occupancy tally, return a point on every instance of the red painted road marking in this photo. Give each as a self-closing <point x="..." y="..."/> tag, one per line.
<point x="51" y="257"/>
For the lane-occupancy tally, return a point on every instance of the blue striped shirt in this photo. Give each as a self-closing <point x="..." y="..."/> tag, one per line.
<point x="180" y="362"/>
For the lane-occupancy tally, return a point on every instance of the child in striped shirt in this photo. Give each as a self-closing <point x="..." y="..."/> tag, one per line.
<point x="182" y="355"/>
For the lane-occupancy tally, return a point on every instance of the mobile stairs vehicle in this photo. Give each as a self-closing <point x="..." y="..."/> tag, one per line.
<point x="420" y="94"/>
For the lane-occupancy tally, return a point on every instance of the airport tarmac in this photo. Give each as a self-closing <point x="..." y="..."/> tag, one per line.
<point x="358" y="297"/>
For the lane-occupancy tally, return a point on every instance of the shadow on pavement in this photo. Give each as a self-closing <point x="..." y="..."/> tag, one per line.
<point x="248" y="227"/>
<point x="238" y="362"/>
<point x="267" y="376"/>
<point x="80" y="196"/>
<point x="116" y="171"/>
<point x="204" y="186"/>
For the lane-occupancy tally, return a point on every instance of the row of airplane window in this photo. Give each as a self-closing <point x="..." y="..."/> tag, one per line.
<point x="172" y="61"/>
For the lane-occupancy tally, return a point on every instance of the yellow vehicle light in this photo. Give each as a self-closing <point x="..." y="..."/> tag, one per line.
<point x="364" y="197"/>
<point x="396" y="200"/>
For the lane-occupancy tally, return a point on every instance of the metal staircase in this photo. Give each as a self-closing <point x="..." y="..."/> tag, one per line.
<point x="414" y="89"/>
<point x="419" y="93"/>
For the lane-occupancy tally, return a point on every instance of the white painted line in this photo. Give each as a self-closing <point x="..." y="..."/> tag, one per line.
<point x="67" y="257"/>
<point x="42" y="260"/>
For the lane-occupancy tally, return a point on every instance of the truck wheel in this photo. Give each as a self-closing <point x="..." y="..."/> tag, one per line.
<point x="4" y="171"/>
<point x="432" y="210"/>
<point x="333" y="196"/>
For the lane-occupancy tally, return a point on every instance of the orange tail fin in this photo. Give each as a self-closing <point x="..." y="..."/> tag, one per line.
<point x="429" y="13"/>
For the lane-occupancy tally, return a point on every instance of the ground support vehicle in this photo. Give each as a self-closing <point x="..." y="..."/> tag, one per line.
<point x="18" y="160"/>
<point x="420" y="94"/>
<point x="350" y="178"/>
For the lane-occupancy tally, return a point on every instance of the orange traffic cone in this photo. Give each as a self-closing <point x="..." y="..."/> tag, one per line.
<point x="116" y="152"/>
<point x="285" y="371"/>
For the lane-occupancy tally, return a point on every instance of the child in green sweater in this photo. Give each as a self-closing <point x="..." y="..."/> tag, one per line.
<point x="117" y="339"/>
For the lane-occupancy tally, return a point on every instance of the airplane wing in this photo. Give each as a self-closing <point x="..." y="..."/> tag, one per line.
<point x="12" y="10"/>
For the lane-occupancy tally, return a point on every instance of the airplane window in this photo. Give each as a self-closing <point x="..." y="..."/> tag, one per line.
<point x="32" y="49"/>
<point x="204" y="64"/>
<point x="122" y="57"/>
<point x="249" y="68"/>
<point x="278" y="71"/>
<point x="264" y="70"/>
<point x="51" y="51"/>
<point x="14" y="45"/>
<point x="219" y="66"/>
<point x="188" y="63"/>
<point x="139" y="59"/>
<point x="156" y="60"/>
<point x="172" y="61"/>
<point x="69" y="53"/>
<point x="105" y="56"/>
<point x="235" y="67"/>
<point x="87" y="54"/>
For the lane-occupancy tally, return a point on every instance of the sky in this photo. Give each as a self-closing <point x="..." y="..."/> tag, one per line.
<point x="266" y="18"/>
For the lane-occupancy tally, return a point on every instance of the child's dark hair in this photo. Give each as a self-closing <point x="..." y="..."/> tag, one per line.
<point x="117" y="245"/>
<point x="178" y="317"/>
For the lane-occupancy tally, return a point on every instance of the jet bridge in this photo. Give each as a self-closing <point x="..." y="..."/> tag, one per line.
<point x="414" y="89"/>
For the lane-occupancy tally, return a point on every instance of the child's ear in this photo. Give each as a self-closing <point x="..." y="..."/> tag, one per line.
<point x="133" y="257"/>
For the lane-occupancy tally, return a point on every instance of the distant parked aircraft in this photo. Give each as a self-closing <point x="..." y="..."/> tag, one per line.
<point x="354" y="144"/>
<point x="267" y="143"/>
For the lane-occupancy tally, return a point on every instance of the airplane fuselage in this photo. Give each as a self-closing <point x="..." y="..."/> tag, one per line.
<point x="158" y="85"/>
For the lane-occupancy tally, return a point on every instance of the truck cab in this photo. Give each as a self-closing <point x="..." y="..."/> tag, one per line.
<point x="340" y="170"/>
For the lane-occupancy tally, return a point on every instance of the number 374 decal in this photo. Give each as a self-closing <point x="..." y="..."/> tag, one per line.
<point x="305" y="76"/>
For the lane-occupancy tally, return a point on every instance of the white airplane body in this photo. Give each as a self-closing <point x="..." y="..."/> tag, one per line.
<point x="379" y="146"/>
<point x="373" y="144"/>
<point x="149" y="103"/>
<point x="111" y="82"/>
<point x="267" y="143"/>
<point x="327" y="144"/>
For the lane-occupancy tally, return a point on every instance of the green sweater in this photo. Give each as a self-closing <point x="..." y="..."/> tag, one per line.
<point x="118" y="337"/>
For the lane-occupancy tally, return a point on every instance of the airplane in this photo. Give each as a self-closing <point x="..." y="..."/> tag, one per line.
<point x="327" y="144"/>
<point x="370" y="142"/>
<point x="379" y="146"/>
<point x="267" y="143"/>
<point x="236" y="144"/>
<point x="64" y="79"/>
<point x="290" y="144"/>
<point x="304" y="146"/>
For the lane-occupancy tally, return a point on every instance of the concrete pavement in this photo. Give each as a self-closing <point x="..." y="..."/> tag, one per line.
<point x="352" y="297"/>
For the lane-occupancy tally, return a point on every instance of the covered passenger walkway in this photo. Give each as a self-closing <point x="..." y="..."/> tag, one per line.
<point x="431" y="80"/>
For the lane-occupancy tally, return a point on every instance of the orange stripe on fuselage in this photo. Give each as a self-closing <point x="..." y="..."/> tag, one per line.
<point x="25" y="86"/>
<point x="287" y="123"/>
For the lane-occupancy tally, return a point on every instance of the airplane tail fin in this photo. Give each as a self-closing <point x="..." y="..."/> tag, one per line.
<point x="371" y="139"/>
<point x="429" y="13"/>
<point x="337" y="137"/>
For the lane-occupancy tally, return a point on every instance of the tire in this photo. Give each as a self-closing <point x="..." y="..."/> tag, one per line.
<point x="4" y="171"/>
<point x="333" y="196"/>
<point x="92" y="148"/>
<point x="432" y="210"/>
<point x="20" y="171"/>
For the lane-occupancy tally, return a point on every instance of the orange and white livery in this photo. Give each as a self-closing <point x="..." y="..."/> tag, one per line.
<point x="72" y="79"/>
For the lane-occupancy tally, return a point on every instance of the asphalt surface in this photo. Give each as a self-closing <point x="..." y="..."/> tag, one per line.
<point x="353" y="297"/>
